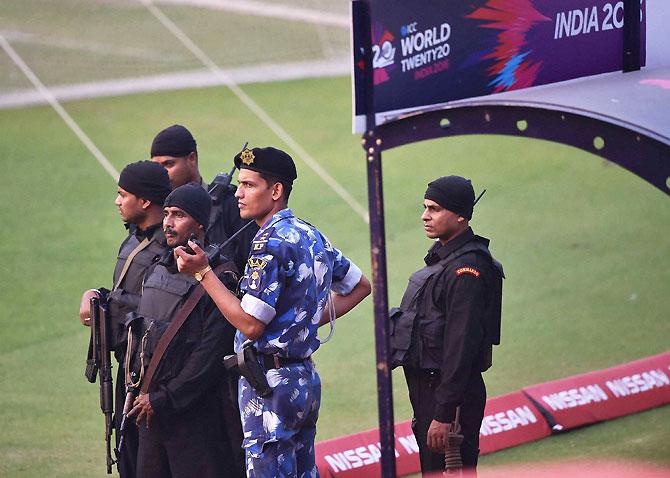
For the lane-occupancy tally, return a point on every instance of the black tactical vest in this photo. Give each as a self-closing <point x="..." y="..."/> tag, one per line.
<point x="164" y="292"/>
<point x="417" y="327"/>
<point x="126" y="298"/>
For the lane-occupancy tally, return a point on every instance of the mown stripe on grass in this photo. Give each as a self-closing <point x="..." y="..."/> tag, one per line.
<point x="257" y="110"/>
<point x="271" y="10"/>
<point x="69" y="121"/>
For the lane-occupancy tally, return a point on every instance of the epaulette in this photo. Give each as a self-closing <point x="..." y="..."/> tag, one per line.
<point x="259" y="244"/>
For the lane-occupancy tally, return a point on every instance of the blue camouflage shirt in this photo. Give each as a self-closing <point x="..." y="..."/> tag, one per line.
<point x="288" y="277"/>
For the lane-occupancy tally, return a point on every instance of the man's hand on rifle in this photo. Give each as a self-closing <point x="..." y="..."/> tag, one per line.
<point x="438" y="434"/>
<point x="85" y="307"/>
<point x="142" y="408"/>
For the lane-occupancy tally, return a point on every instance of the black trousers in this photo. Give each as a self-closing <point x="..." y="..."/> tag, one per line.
<point x="421" y="385"/>
<point x="185" y="445"/>
<point x="232" y="425"/>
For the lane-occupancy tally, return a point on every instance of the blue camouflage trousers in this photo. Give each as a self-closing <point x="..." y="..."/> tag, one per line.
<point x="279" y="430"/>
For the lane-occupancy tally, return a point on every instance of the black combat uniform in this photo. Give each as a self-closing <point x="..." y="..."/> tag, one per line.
<point x="185" y="437"/>
<point x="443" y="335"/>
<point x="224" y="221"/>
<point x="122" y="300"/>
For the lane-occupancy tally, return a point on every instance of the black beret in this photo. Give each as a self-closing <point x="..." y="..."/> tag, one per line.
<point x="272" y="161"/>
<point x="192" y="199"/>
<point x="146" y="180"/>
<point x="174" y="141"/>
<point x="454" y="193"/>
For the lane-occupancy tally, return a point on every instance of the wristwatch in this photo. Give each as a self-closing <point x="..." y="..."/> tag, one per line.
<point x="201" y="274"/>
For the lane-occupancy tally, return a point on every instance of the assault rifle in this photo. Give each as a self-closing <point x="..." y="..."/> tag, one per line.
<point x="99" y="363"/>
<point x="220" y="184"/>
<point x="127" y="406"/>
<point x="221" y="181"/>
<point x="453" y="463"/>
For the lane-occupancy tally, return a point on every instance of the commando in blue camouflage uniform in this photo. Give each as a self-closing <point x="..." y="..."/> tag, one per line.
<point x="288" y="278"/>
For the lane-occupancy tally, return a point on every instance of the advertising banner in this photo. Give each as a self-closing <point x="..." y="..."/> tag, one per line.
<point x="357" y="455"/>
<point x="605" y="394"/>
<point x="518" y="417"/>
<point x="510" y="420"/>
<point x="434" y="51"/>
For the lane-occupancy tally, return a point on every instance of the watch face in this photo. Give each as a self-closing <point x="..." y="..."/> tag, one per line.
<point x="201" y="274"/>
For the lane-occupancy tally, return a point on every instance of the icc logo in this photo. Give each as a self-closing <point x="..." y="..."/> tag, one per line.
<point x="408" y="29"/>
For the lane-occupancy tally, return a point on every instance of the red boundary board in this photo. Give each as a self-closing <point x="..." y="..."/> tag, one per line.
<point x="605" y="394"/>
<point x="510" y="420"/>
<point x="518" y="417"/>
<point x="358" y="455"/>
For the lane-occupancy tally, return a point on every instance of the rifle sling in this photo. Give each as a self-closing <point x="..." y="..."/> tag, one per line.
<point x="126" y="265"/>
<point x="91" y="365"/>
<point x="175" y="325"/>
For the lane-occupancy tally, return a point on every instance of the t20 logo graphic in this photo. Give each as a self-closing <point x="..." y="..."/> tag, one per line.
<point x="383" y="55"/>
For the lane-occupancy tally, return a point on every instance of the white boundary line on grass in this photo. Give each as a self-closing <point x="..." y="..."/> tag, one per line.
<point x="73" y="44"/>
<point x="257" y="110"/>
<point x="16" y="58"/>
<point x="202" y="78"/>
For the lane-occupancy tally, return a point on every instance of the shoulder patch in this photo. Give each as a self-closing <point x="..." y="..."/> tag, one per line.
<point x="254" y="280"/>
<point x="467" y="270"/>
<point x="259" y="244"/>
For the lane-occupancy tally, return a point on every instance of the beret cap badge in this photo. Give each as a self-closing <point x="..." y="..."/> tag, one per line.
<point x="247" y="157"/>
<point x="268" y="160"/>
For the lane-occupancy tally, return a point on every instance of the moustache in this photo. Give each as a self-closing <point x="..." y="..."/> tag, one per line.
<point x="170" y="232"/>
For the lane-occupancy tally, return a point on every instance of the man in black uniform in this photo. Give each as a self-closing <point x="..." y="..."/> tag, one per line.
<point x="175" y="149"/>
<point x="143" y="187"/>
<point x="178" y="412"/>
<point x="447" y="324"/>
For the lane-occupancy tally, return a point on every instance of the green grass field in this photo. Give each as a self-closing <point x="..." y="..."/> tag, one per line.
<point x="69" y="41"/>
<point x="585" y="246"/>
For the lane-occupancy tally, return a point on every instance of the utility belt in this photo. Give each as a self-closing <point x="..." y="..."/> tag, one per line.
<point x="274" y="361"/>
<point x="252" y="365"/>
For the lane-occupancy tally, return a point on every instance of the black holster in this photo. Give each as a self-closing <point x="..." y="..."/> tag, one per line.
<point x="246" y="363"/>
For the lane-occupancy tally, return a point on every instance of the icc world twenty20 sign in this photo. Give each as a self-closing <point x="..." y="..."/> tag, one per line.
<point x="429" y="52"/>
